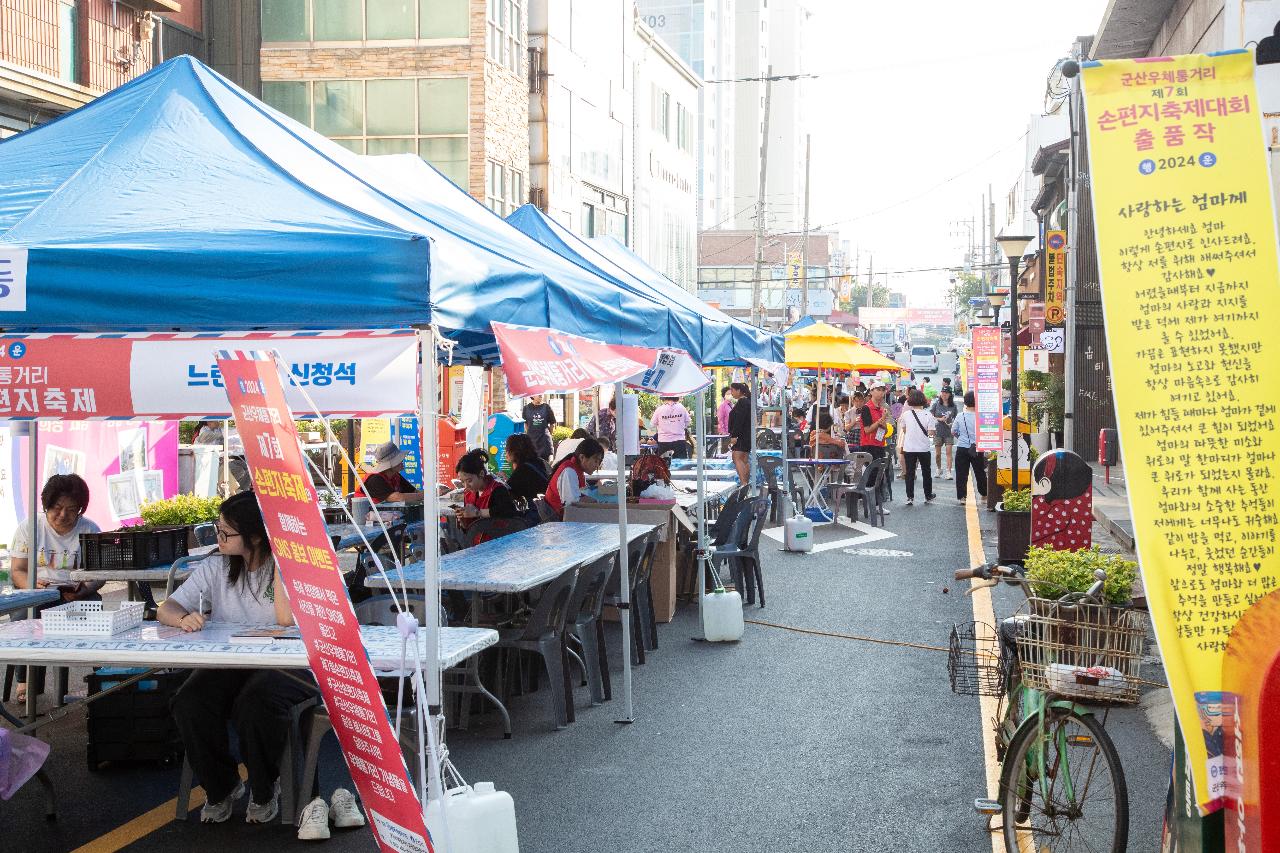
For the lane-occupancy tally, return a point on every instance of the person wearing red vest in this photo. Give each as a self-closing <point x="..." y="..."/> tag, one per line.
<point x="876" y="418"/>
<point x="485" y="496"/>
<point x="570" y="477"/>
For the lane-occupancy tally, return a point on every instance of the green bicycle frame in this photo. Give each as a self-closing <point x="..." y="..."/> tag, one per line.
<point x="1034" y="706"/>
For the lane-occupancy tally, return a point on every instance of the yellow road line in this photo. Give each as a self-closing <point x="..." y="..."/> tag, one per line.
<point x="144" y="824"/>
<point x="984" y="614"/>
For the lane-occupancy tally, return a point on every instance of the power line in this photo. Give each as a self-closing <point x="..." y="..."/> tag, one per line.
<point x="854" y="275"/>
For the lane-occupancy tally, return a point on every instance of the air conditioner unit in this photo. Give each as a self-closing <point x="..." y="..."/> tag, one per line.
<point x="538" y="197"/>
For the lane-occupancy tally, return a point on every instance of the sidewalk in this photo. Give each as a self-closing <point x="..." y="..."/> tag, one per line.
<point x="1111" y="504"/>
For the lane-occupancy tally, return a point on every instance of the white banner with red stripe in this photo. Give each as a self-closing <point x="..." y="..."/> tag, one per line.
<point x="171" y="376"/>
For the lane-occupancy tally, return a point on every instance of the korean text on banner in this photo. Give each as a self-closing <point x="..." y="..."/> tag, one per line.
<point x="411" y="443"/>
<point x="320" y="604"/>
<point x="1055" y="277"/>
<point x="985" y="384"/>
<point x="1191" y="298"/>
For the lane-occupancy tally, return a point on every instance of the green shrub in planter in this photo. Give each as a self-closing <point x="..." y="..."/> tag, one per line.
<point x="560" y="433"/>
<point x="1053" y="574"/>
<point x="180" y="510"/>
<point x="1018" y="500"/>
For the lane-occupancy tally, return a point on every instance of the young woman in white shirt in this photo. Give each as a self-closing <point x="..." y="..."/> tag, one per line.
<point x="915" y="431"/>
<point x="243" y="586"/>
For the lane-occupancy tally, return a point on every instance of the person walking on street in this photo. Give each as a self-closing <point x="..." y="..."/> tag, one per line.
<point x="915" y="428"/>
<point x="538" y="423"/>
<point x="741" y="431"/>
<point x="944" y="411"/>
<point x="671" y="423"/>
<point x="967" y="456"/>
<point x="722" y="413"/>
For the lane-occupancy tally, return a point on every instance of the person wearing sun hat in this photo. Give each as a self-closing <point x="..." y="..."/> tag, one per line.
<point x="384" y="480"/>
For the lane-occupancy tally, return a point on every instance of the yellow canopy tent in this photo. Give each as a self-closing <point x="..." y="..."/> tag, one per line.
<point x="822" y="346"/>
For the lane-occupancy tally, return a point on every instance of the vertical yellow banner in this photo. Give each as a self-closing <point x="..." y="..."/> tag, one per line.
<point x="1055" y="277"/>
<point x="1191" y="294"/>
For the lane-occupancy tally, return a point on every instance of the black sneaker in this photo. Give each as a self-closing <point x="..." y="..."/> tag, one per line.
<point x="929" y="498"/>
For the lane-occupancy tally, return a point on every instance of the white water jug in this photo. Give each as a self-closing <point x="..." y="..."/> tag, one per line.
<point x="481" y="820"/>
<point x="722" y="616"/>
<point x="799" y="533"/>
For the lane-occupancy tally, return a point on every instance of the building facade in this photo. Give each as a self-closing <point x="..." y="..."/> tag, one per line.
<point x="726" y="272"/>
<point x="702" y="33"/>
<point x="56" y="55"/>
<point x="444" y="79"/>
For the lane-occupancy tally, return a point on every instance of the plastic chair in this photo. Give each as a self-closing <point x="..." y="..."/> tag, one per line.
<point x="205" y="533"/>
<point x="587" y="628"/>
<point x="543" y="634"/>
<point x="644" y="633"/>
<point x="735" y="543"/>
<point x="771" y="466"/>
<point x="744" y="553"/>
<point x="867" y="493"/>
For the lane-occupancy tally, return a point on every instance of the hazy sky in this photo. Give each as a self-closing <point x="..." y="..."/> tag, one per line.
<point x="914" y="95"/>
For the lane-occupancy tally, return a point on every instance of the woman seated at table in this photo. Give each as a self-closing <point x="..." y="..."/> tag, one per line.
<point x="485" y="496"/>
<point x="529" y="475"/>
<point x="822" y="443"/>
<point x="243" y="587"/>
<point x="385" y="482"/>
<point x="65" y="497"/>
<point x="570" y="477"/>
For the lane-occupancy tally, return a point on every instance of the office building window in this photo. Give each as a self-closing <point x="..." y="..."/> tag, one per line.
<point x="505" y="43"/>
<point x="503" y="188"/>
<point x="364" y="20"/>
<point x="68" y="43"/>
<point x="428" y="116"/>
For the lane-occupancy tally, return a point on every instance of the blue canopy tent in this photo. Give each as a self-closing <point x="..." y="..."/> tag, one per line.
<point x="723" y="340"/>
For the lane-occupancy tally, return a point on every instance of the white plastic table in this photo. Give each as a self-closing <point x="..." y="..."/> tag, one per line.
<point x="519" y="561"/>
<point x="154" y="646"/>
<point x="818" y="473"/>
<point x="713" y="490"/>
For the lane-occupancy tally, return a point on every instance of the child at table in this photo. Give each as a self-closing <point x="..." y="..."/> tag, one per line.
<point x="822" y="443"/>
<point x="243" y="586"/>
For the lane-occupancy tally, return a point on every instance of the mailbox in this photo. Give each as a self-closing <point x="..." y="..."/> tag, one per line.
<point x="1108" y="448"/>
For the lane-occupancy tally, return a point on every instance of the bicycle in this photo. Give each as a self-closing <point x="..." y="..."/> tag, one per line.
<point x="1047" y="660"/>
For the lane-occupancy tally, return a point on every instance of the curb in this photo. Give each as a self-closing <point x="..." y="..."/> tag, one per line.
<point x="1121" y="535"/>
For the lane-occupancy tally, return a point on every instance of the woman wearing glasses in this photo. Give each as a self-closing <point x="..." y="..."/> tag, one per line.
<point x="243" y="587"/>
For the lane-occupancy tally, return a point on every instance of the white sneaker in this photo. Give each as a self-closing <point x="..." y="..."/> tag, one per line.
<point x="219" y="812"/>
<point x="911" y="501"/>
<point x="314" y="823"/>
<point x="346" y="811"/>
<point x="264" y="812"/>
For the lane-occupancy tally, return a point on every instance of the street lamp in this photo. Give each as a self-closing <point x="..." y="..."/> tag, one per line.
<point x="1013" y="247"/>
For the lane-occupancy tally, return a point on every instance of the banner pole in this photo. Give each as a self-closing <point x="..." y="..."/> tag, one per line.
<point x="33" y="540"/>
<point x="427" y="368"/>
<point x="624" y="573"/>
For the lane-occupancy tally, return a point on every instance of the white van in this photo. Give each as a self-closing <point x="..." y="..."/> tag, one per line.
<point x="924" y="359"/>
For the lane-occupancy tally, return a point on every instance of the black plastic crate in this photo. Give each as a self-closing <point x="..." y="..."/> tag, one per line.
<point x="134" y="723"/>
<point x="133" y="548"/>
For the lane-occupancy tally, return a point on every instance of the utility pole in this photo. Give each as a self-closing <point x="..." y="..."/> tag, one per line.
<point x="993" y="251"/>
<point x="804" y="247"/>
<point x="757" y="316"/>
<point x="871" y="260"/>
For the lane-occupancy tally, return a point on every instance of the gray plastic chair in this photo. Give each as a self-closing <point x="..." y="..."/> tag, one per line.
<point x="771" y="467"/>
<point x="868" y="494"/>
<point x="587" y="628"/>
<point x="744" y="553"/>
<point x="644" y="626"/>
<point x="543" y="634"/>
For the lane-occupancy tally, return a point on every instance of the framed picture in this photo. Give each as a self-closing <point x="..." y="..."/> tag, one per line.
<point x="63" y="460"/>
<point x="152" y="486"/>
<point x="122" y="494"/>
<point x="133" y="450"/>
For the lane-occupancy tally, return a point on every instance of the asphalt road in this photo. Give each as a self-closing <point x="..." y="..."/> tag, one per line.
<point x="783" y="741"/>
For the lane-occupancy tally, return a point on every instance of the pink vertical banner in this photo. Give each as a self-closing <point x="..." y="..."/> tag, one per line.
<point x="986" y="386"/>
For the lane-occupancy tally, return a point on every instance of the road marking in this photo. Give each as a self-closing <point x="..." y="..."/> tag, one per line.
<point x="869" y="533"/>
<point x="144" y="824"/>
<point x="984" y="614"/>
<point x="876" y="552"/>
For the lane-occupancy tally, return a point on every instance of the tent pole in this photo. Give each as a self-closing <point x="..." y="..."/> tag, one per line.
<point x="624" y="571"/>
<point x="700" y="551"/>
<point x="786" y="454"/>
<point x="427" y="368"/>
<point x="33" y="540"/>
<point x="226" y="459"/>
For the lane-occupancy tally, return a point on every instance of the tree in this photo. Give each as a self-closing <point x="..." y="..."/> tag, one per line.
<point x="964" y="286"/>
<point x="858" y="297"/>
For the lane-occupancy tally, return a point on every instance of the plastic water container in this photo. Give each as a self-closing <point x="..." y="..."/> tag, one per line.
<point x="798" y="533"/>
<point x="481" y="820"/>
<point x="722" y="616"/>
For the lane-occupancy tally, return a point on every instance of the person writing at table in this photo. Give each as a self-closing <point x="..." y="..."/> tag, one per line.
<point x="386" y="481"/>
<point x="64" y="498"/>
<point x="485" y="496"/>
<point x="243" y="587"/>
<point x="570" y="477"/>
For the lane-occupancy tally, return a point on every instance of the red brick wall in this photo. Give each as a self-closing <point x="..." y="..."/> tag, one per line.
<point x="29" y="38"/>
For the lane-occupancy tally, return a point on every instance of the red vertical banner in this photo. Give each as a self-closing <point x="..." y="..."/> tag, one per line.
<point x="320" y="604"/>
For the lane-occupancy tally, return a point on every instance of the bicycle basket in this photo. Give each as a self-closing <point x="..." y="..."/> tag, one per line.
<point x="974" y="661"/>
<point x="1086" y="652"/>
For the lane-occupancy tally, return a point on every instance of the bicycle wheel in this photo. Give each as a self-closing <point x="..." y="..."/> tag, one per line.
<point x="1081" y="803"/>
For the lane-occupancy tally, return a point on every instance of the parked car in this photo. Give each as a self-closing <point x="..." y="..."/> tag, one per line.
<point x="924" y="359"/>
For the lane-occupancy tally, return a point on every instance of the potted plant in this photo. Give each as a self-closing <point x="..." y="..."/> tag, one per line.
<point x="1054" y="574"/>
<point x="1032" y="385"/>
<point x="1013" y="526"/>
